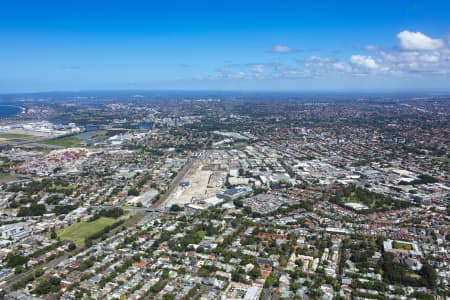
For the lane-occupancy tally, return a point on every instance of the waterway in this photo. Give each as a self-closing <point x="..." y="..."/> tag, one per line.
<point x="9" y="111"/>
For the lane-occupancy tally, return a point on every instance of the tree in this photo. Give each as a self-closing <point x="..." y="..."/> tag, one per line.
<point x="18" y="269"/>
<point x="53" y="234"/>
<point x="133" y="192"/>
<point x="176" y="208"/>
<point x="13" y="260"/>
<point x="271" y="281"/>
<point x="72" y="246"/>
<point x="63" y="209"/>
<point x="33" y="210"/>
<point x="169" y="297"/>
<point x="429" y="275"/>
<point x="399" y="291"/>
<point x="238" y="203"/>
<point x="47" y="286"/>
<point x="257" y="191"/>
<point x="255" y="272"/>
<point x="236" y="276"/>
<point x="294" y="286"/>
<point x="247" y="210"/>
<point x="158" y="286"/>
<point x="39" y="273"/>
<point x="87" y="242"/>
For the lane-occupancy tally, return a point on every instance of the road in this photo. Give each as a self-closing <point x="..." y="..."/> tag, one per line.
<point x="157" y="206"/>
<point x="19" y="277"/>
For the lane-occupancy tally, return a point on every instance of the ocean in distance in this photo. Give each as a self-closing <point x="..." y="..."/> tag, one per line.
<point x="9" y="111"/>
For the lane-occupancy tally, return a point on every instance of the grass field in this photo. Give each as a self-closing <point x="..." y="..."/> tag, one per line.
<point x="12" y="138"/>
<point x="79" y="231"/>
<point x="62" y="189"/>
<point x="401" y="246"/>
<point x="5" y="177"/>
<point x="17" y="136"/>
<point x="67" y="141"/>
<point x="443" y="159"/>
<point x="134" y="218"/>
<point x="99" y="133"/>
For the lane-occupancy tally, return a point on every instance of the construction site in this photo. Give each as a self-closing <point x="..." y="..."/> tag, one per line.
<point x="204" y="179"/>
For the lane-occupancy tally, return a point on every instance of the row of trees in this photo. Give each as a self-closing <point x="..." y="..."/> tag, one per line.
<point x="422" y="179"/>
<point x="33" y="210"/>
<point x="48" y="285"/>
<point x="88" y="241"/>
<point x="44" y="185"/>
<point x="114" y="213"/>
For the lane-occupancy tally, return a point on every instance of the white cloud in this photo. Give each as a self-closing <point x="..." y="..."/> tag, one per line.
<point x="258" y="70"/>
<point x="418" y="41"/>
<point x="417" y="62"/>
<point x="420" y="60"/>
<point x="366" y="62"/>
<point x="229" y="74"/>
<point x="318" y="60"/>
<point x="371" y="47"/>
<point x="281" y="49"/>
<point x="293" y="73"/>
<point x="430" y="58"/>
<point x="241" y="75"/>
<point x="341" y="66"/>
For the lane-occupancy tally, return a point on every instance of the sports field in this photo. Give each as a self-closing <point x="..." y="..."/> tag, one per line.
<point x="79" y="231"/>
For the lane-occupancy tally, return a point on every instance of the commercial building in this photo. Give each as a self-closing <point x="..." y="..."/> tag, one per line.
<point x="235" y="193"/>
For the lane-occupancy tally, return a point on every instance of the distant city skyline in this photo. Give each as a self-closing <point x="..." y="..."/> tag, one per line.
<point x="229" y="45"/>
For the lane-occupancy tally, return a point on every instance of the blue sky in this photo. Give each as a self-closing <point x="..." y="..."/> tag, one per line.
<point x="224" y="45"/>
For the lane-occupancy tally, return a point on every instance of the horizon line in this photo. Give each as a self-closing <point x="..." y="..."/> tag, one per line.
<point x="281" y="91"/>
